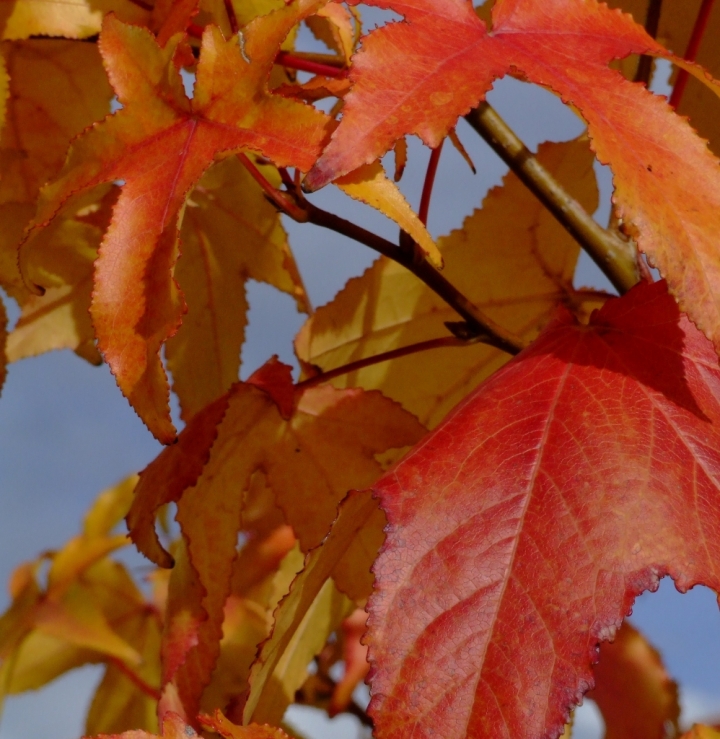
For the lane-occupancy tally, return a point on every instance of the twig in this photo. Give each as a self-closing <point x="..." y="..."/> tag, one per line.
<point x="429" y="182"/>
<point x="293" y="61"/>
<point x="613" y="255"/>
<point x="480" y="325"/>
<point x="692" y="51"/>
<point x="294" y="204"/>
<point x="652" y="21"/>
<point x="404" y="351"/>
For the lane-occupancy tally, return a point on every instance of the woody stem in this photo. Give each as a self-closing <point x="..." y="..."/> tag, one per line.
<point x="613" y="255"/>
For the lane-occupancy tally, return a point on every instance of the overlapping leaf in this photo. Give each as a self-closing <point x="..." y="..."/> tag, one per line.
<point x="522" y="529"/>
<point x="159" y="145"/>
<point x="310" y="612"/>
<point x="313" y="445"/>
<point x="57" y="88"/>
<point x="230" y="234"/>
<point x="511" y="258"/>
<point x="667" y="183"/>
<point x="635" y="694"/>
<point x="674" y="31"/>
<point x="89" y="611"/>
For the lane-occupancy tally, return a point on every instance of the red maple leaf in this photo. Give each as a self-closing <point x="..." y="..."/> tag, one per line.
<point x="523" y="528"/>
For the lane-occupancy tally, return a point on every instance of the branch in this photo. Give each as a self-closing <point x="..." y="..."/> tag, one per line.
<point x="652" y="21"/>
<point x="403" y="351"/>
<point x="481" y="326"/>
<point x="613" y="255"/>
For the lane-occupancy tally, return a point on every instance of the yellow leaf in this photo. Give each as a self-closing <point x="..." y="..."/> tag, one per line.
<point x="77" y="19"/>
<point x="60" y="260"/>
<point x="369" y="184"/>
<point x="511" y="258"/>
<point x="701" y="732"/>
<point x="57" y="88"/>
<point x="312" y="595"/>
<point x="334" y="26"/>
<point x="120" y="703"/>
<point x="230" y="234"/>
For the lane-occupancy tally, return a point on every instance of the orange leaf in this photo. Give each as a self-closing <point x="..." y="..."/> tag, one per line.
<point x="159" y="145"/>
<point x="667" y="181"/>
<point x="633" y="691"/>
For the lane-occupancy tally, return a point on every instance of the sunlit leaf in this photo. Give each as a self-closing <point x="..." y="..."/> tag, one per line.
<point x="522" y="529"/>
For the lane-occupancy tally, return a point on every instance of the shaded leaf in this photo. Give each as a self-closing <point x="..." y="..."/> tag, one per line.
<point x="522" y="529"/>
<point x="311" y="593"/>
<point x="230" y="234"/>
<point x="57" y="88"/>
<point x="511" y="259"/>
<point x="635" y="694"/>
<point x="667" y="183"/>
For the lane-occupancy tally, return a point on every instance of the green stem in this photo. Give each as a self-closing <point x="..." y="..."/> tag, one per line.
<point x="614" y="256"/>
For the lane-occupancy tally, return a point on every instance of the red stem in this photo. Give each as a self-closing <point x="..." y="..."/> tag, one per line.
<point x="429" y="182"/>
<point x="135" y="679"/>
<point x="359" y="364"/>
<point x="692" y="51"/>
<point x="305" y="65"/>
<point x="281" y="201"/>
<point x="231" y="16"/>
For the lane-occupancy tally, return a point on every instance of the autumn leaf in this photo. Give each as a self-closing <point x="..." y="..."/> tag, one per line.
<point x="667" y="183"/>
<point x="635" y="694"/>
<point x="305" y="617"/>
<point x="674" y="31"/>
<point x="57" y="88"/>
<point x="521" y="530"/>
<point x="159" y="145"/>
<point x="61" y="259"/>
<point x="701" y="732"/>
<point x="21" y="19"/>
<point x="230" y="234"/>
<point x="134" y="144"/>
<point x="511" y="259"/>
<point x="90" y="611"/>
<point x="313" y="444"/>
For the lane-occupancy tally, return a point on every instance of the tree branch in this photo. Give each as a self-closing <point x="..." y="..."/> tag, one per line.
<point x="480" y="326"/>
<point x="404" y="351"/>
<point x="613" y="255"/>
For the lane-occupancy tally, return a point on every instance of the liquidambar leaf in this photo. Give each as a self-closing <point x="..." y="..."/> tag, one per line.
<point x="159" y="145"/>
<point x="521" y="530"/>
<point x="511" y="258"/>
<point x="635" y="694"/>
<point x="667" y="182"/>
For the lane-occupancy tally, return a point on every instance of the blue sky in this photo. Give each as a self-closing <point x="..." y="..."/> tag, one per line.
<point x="66" y="432"/>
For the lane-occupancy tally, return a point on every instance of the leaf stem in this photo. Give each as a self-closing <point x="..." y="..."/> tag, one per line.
<point x="294" y="204"/>
<point x="613" y="255"/>
<point x="293" y="61"/>
<point x="232" y="18"/>
<point x="429" y="182"/>
<point x="652" y="21"/>
<point x="480" y="325"/>
<point x="403" y="351"/>
<point x="692" y="51"/>
<point x="135" y="679"/>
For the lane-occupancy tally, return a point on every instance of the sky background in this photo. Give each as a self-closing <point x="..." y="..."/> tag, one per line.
<point x="66" y="432"/>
